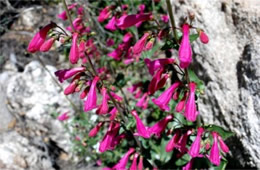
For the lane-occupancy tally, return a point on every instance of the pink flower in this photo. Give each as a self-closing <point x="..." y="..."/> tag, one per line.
<point x="109" y="137"/>
<point x="160" y="126"/>
<point x="149" y="44"/>
<point x="188" y="166"/>
<point x="143" y="102"/>
<point x="134" y="87"/>
<point x="165" y="18"/>
<point x="39" y="38"/>
<point x="91" y="101"/>
<point x="113" y="113"/>
<point x="104" y="14"/>
<point x="110" y="42"/>
<point x="111" y="25"/>
<point x="222" y="144"/>
<point x="80" y="10"/>
<point x="153" y="86"/>
<point x="180" y="106"/>
<point x="203" y="37"/>
<point x="116" y="97"/>
<point x="84" y="93"/>
<point x="46" y="46"/>
<point x="126" y="21"/>
<point x="127" y="37"/>
<point x="103" y="108"/>
<point x="195" y="147"/>
<point x="214" y="152"/>
<point x="74" y="50"/>
<point x="190" y="107"/>
<point x="183" y="141"/>
<point x="123" y="161"/>
<point x="63" y="15"/>
<point x="173" y="142"/>
<point x="185" y="52"/>
<point x="140" y="163"/>
<point x="134" y="163"/>
<point x="156" y="64"/>
<point x="70" y="88"/>
<point x="117" y="53"/>
<point x="141" y="8"/>
<point x="142" y="130"/>
<point x="140" y="44"/>
<point x="93" y="132"/>
<point x="63" y="116"/>
<point x="82" y="48"/>
<point x="163" y="100"/>
<point x="68" y="73"/>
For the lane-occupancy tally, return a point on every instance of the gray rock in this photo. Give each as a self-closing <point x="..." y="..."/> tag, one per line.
<point x="33" y="96"/>
<point x="229" y="65"/>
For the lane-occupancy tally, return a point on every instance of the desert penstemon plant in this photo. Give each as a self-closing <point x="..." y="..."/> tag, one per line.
<point x="110" y="52"/>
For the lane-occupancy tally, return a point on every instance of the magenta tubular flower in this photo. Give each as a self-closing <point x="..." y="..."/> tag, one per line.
<point x="165" y="18"/>
<point x="142" y="101"/>
<point x="180" y="106"/>
<point x="140" y="44"/>
<point x="84" y="93"/>
<point x="222" y="144"/>
<point x="117" y="140"/>
<point x="70" y="88"/>
<point x="93" y="132"/>
<point x="104" y="14"/>
<point x="140" y="163"/>
<point x="185" y="52"/>
<point x="126" y="21"/>
<point x="214" y="156"/>
<point x="203" y="37"/>
<point x="63" y="116"/>
<point x="153" y="86"/>
<point x="110" y="42"/>
<point x="111" y="25"/>
<point x="156" y="64"/>
<point x="74" y="50"/>
<point x="117" y="53"/>
<point x="63" y="15"/>
<point x="134" y="163"/>
<point x="68" y="73"/>
<point x="127" y="37"/>
<point x="109" y="137"/>
<point x="190" y="108"/>
<point x="116" y="97"/>
<point x="39" y="38"/>
<point x="160" y="126"/>
<point x="195" y="147"/>
<point x="46" y="46"/>
<point x="149" y="44"/>
<point x="91" y="102"/>
<point x="162" y="82"/>
<point x="113" y="113"/>
<point x="183" y="141"/>
<point x="188" y="166"/>
<point x="173" y="142"/>
<point x="134" y="87"/>
<point x="123" y="161"/>
<point x="142" y="130"/>
<point x="103" y="108"/>
<point x="163" y="100"/>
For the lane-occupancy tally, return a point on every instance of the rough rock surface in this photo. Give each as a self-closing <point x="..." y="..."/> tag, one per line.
<point x="229" y="65"/>
<point x="38" y="140"/>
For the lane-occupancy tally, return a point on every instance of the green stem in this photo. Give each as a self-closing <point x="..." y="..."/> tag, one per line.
<point x="169" y="8"/>
<point x="68" y="15"/>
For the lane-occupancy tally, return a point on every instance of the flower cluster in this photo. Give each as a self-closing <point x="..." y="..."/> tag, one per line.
<point x="168" y="89"/>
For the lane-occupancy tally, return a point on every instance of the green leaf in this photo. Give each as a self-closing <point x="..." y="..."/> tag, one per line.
<point x="169" y="44"/>
<point x="222" y="165"/>
<point x="183" y="160"/>
<point x="200" y="85"/>
<point x="222" y="132"/>
<point x="193" y="37"/>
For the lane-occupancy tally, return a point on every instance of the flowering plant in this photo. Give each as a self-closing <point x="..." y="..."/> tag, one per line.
<point x="145" y="99"/>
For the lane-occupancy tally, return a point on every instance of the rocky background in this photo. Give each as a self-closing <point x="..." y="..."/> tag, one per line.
<point x="30" y="138"/>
